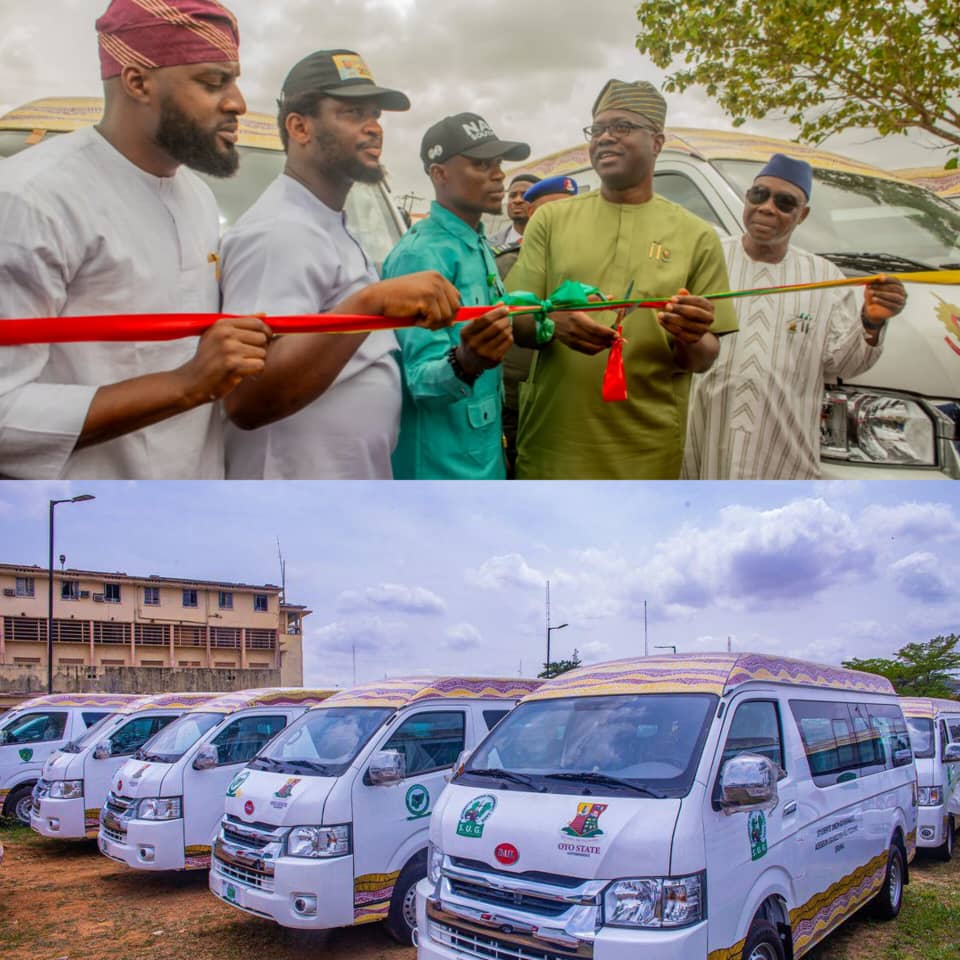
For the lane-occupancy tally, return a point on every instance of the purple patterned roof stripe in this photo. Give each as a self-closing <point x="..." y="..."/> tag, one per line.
<point x="79" y="700"/>
<point x="266" y="697"/>
<point x="928" y="706"/>
<point x="399" y="691"/>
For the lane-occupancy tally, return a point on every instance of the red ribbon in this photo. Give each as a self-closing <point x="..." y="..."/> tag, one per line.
<point x="614" y="377"/>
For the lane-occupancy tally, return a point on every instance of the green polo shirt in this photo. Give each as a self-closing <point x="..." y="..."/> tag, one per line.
<point x="566" y="430"/>
<point x="448" y="430"/>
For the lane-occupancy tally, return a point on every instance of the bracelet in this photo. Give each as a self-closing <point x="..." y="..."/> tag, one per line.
<point x="458" y="371"/>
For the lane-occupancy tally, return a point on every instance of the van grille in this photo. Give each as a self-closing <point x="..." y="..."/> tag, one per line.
<point x="479" y="945"/>
<point x="113" y="835"/>
<point x="489" y="896"/>
<point x="118" y="804"/>
<point x="250" y="878"/>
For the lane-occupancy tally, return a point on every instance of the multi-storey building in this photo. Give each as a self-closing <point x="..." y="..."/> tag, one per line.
<point x="103" y="620"/>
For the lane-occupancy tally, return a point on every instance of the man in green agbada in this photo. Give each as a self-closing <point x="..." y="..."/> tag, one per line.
<point x="620" y="237"/>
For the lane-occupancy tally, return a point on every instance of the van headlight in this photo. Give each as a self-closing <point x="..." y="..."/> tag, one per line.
<point x="319" y="842"/>
<point x="65" y="789"/>
<point x="865" y="427"/>
<point x="434" y="863"/>
<point x="160" y="808"/>
<point x="655" y="902"/>
<point x="929" y="796"/>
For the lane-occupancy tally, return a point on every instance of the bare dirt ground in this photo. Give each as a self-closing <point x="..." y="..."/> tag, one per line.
<point x="64" y="901"/>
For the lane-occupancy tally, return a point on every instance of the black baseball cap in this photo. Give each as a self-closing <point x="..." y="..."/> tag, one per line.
<point x="467" y="135"/>
<point x="339" y="73"/>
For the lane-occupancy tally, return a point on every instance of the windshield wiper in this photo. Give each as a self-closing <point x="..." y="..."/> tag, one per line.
<point x="155" y="757"/>
<point x="255" y="763"/>
<point x="321" y="768"/>
<point x="871" y="261"/>
<point x="507" y="775"/>
<point x="589" y="776"/>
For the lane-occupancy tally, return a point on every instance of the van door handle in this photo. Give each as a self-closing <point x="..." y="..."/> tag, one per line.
<point x="789" y="808"/>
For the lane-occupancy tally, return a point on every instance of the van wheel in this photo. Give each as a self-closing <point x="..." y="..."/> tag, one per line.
<point x="945" y="850"/>
<point x="764" y="942"/>
<point x="19" y="803"/>
<point x="402" y="919"/>
<point x="886" y="904"/>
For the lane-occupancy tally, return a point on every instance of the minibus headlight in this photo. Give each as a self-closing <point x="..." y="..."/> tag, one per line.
<point x="160" y="808"/>
<point x="65" y="789"/>
<point x="316" y="842"/>
<point x="434" y="863"/>
<point x="930" y="796"/>
<point x="655" y="902"/>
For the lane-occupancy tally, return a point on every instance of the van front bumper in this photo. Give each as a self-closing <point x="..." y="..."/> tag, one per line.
<point x="442" y="936"/>
<point x="60" y="818"/>
<point x="144" y="844"/>
<point x="931" y="826"/>
<point x="305" y="894"/>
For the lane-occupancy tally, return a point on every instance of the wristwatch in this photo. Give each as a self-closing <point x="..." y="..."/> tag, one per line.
<point x="468" y="378"/>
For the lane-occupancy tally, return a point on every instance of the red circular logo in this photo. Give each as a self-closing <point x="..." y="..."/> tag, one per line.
<point x="506" y="853"/>
<point x="248" y="808"/>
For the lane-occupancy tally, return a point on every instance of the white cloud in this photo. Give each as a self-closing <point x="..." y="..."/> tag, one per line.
<point x="921" y="576"/>
<point x="393" y="596"/>
<point x="929" y="522"/>
<point x="509" y="570"/>
<point x="463" y="636"/>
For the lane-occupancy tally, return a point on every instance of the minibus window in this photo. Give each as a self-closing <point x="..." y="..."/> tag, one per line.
<point x="243" y="739"/>
<point x="921" y="736"/>
<point x="682" y="190"/>
<point x="954" y="730"/>
<point x="89" y="719"/>
<point x="91" y="734"/>
<point x="648" y="743"/>
<point x="35" y="728"/>
<point x="889" y="722"/>
<point x="135" y="733"/>
<point x="492" y="717"/>
<point x="870" y="752"/>
<point x="429" y="741"/>
<point x="755" y="729"/>
<point x="171" y="743"/>
<point x="322" y="742"/>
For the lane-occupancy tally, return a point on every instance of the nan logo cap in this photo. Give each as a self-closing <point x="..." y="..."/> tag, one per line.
<point x="339" y="73"/>
<point x="467" y="135"/>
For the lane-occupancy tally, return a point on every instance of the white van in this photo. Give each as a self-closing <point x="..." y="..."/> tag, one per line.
<point x="680" y="807"/>
<point x="935" y="735"/>
<point x="901" y="418"/>
<point x="34" y="730"/>
<point x="328" y="826"/>
<point x="75" y="780"/>
<point x="164" y="807"/>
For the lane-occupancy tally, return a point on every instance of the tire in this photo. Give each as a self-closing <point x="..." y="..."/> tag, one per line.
<point x="763" y="943"/>
<point x="18" y="803"/>
<point x="945" y="850"/>
<point x="886" y="904"/>
<point x="402" y="919"/>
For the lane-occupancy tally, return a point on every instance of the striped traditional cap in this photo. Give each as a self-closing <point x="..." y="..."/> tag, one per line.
<point x="640" y="97"/>
<point x="165" y="33"/>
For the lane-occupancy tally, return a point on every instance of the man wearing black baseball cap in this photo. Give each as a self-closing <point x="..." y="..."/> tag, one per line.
<point x="451" y="424"/>
<point x="327" y="406"/>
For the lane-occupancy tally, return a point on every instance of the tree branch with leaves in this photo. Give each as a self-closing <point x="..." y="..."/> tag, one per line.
<point x="918" y="669"/>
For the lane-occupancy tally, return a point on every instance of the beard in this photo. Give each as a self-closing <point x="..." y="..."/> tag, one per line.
<point x="191" y="145"/>
<point x="339" y="161"/>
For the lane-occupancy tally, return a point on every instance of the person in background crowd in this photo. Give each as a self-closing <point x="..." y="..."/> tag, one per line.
<point x="327" y="405"/>
<point x="620" y="238"/>
<point x="112" y="219"/>
<point x="451" y="426"/>
<point x="756" y="413"/>
<point x="518" y="210"/>
<point x="516" y="363"/>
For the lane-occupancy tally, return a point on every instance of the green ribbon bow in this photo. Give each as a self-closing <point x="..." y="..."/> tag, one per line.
<point x="570" y="295"/>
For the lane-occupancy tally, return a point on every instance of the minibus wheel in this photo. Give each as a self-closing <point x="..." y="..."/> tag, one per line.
<point x="402" y="919"/>
<point x="886" y="904"/>
<point x="764" y="942"/>
<point x="945" y="850"/>
<point x="19" y="802"/>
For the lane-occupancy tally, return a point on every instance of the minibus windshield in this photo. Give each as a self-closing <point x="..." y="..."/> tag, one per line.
<point x="171" y="743"/>
<point x="921" y="736"/>
<point x="322" y="742"/>
<point x="641" y="744"/>
<point x="93" y="734"/>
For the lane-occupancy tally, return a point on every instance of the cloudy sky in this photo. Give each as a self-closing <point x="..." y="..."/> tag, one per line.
<point x="532" y="69"/>
<point x="447" y="577"/>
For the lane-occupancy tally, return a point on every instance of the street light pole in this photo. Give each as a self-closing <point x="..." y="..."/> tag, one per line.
<point x="549" y="628"/>
<point x="78" y="499"/>
<point x="667" y="646"/>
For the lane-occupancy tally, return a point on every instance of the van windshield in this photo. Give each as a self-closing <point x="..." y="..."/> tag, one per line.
<point x="644" y="744"/>
<point x="869" y="216"/>
<point x="921" y="736"/>
<point x="171" y="743"/>
<point x="323" y="742"/>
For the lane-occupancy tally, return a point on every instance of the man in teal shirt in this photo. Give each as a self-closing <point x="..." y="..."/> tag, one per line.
<point x="451" y="426"/>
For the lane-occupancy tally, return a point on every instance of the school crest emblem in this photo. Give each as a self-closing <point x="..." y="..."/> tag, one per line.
<point x="475" y="814"/>
<point x="587" y="821"/>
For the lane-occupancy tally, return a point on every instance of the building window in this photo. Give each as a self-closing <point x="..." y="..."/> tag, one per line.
<point x="260" y="602"/>
<point x="190" y="598"/>
<point x="111" y="593"/>
<point x="111" y="663"/>
<point x="70" y="590"/>
<point x="151" y="663"/>
<point x="189" y="663"/>
<point x="226" y="600"/>
<point x="151" y="596"/>
<point x="26" y="660"/>
<point x="216" y="663"/>
<point x="293" y="624"/>
<point x="69" y="661"/>
<point x="24" y="586"/>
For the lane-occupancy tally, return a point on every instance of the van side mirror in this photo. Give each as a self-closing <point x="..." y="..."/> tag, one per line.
<point x="103" y="750"/>
<point x="206" y="757"/>
<point x="748" y="782"/>
<point x="952" y="753"/>
<point x="459" y="765"/>
<point x="4" y="737"/>
<point x="386" y="767"/>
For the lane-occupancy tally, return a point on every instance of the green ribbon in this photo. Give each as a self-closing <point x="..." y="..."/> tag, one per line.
<point x="570" y="295"/>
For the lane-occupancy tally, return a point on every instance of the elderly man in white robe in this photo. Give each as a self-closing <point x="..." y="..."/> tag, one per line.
<point x="755" y="415"/>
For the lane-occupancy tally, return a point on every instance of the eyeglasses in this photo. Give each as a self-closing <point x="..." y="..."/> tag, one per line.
<point x="784" y="202"/>
<point x="616" y="128"/>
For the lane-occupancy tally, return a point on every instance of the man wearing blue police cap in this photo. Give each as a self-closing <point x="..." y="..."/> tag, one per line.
<point x="755" y="414"/>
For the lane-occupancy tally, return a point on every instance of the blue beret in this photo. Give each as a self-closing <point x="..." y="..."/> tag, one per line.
<point x="797" y="172"/>
<point x="551" y="185"/>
